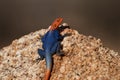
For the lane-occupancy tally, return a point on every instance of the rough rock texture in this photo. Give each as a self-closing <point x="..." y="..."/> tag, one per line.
<point x="85" y="59"/>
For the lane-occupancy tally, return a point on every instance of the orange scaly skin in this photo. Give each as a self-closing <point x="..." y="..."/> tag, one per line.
<point x="47" y="74"/>
<point x="56" y="23"/>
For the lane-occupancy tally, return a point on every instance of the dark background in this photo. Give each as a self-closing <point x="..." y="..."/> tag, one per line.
<point x="99" y="18"/>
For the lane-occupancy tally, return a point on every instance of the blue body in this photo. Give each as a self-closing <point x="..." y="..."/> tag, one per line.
<point x="51" y="44"/>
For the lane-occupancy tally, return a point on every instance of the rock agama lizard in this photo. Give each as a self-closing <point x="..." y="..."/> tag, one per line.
<point x="51" y="44"/>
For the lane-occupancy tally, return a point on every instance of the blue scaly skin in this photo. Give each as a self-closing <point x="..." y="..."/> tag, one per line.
<point x="51" y="45"/>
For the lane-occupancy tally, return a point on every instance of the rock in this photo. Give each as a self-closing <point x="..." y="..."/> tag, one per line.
<point x="85" y="58"/>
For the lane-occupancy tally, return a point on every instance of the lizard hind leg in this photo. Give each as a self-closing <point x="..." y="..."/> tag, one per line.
<point x="41" y="54"/>
<point x="57" y="49"/>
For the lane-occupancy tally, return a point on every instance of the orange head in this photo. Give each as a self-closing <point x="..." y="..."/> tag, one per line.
<point x="56" y="24"/>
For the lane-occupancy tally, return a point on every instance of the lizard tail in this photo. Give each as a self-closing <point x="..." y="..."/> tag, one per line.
<point x="47" y="75"/>
<point x="48" y="59"/>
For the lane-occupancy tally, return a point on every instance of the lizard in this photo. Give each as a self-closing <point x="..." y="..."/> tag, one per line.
<point x="51" y="45"/>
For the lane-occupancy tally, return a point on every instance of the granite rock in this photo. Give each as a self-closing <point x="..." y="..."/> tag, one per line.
<point x="86" y="58"/>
